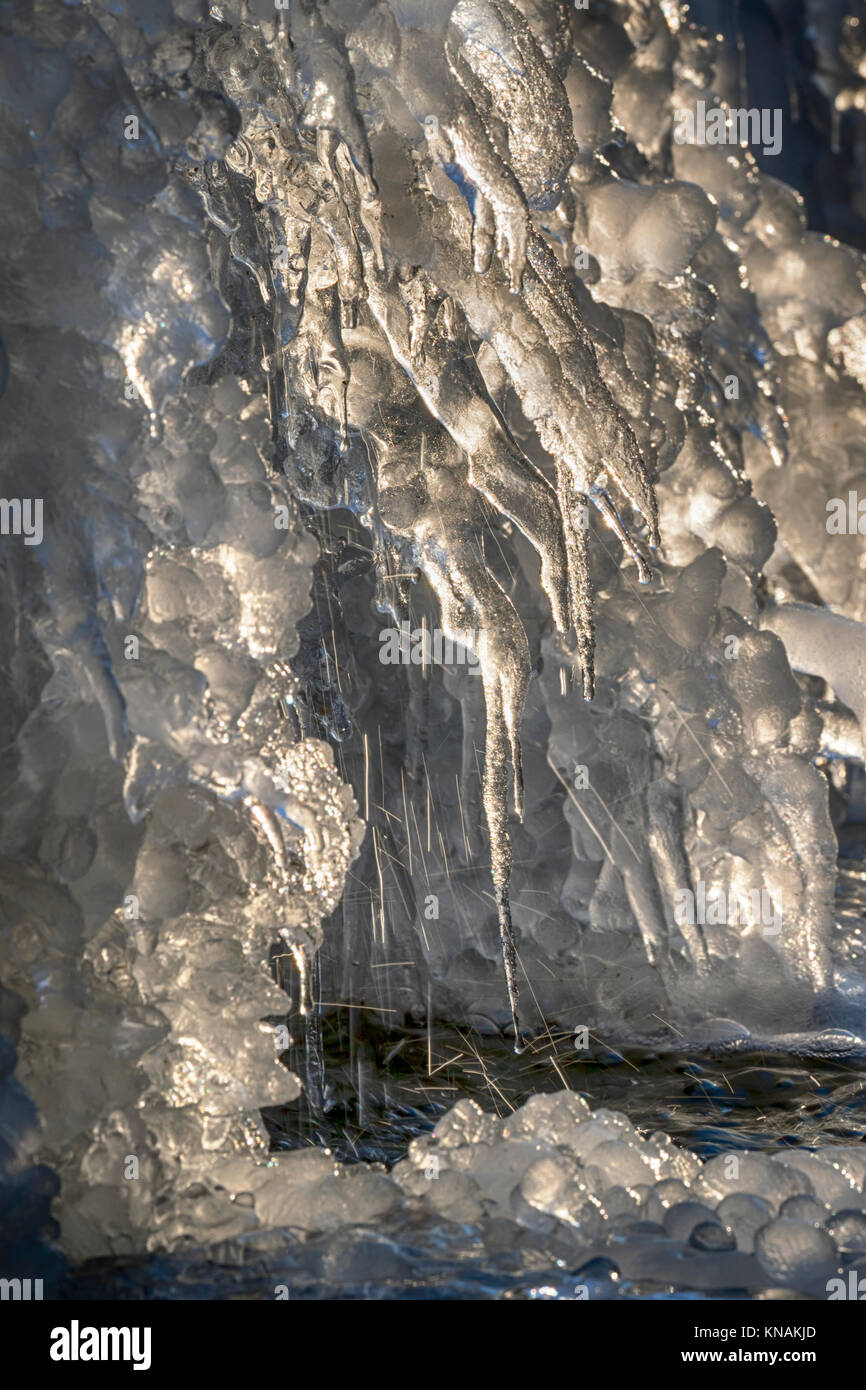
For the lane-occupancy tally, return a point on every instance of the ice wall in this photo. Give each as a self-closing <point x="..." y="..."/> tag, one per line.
<point x="443" y="268"/>
<point x="636" y="320"/>
<point x="164" y="832"/>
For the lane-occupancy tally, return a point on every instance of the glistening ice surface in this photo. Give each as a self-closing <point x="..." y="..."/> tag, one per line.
<point x="434" y="636"/>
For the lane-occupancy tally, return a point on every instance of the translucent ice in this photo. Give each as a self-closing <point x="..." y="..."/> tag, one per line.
<point x="797" y="1255"/>
<point x="440" y="267"/>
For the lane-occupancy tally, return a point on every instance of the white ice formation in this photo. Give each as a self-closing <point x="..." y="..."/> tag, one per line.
<point x="589" y="390"/>
<point x="555" y="1201"/>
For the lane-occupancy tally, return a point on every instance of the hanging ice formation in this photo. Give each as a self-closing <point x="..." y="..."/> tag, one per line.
<point x="473" y="142"/>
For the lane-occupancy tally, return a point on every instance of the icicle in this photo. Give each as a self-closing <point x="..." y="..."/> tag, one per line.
<point x="601" y="500"/>
<point x="495" y="795"/>
<point x="509" y="961"/>
<point x="310" y="984"/>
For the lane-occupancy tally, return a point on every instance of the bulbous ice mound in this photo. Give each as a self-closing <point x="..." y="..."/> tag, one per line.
<point x="555" y="1202"/>
<point x="458" y="271"/>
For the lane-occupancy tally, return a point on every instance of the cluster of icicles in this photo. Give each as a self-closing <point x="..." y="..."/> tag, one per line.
<point x="357" y="321"/>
